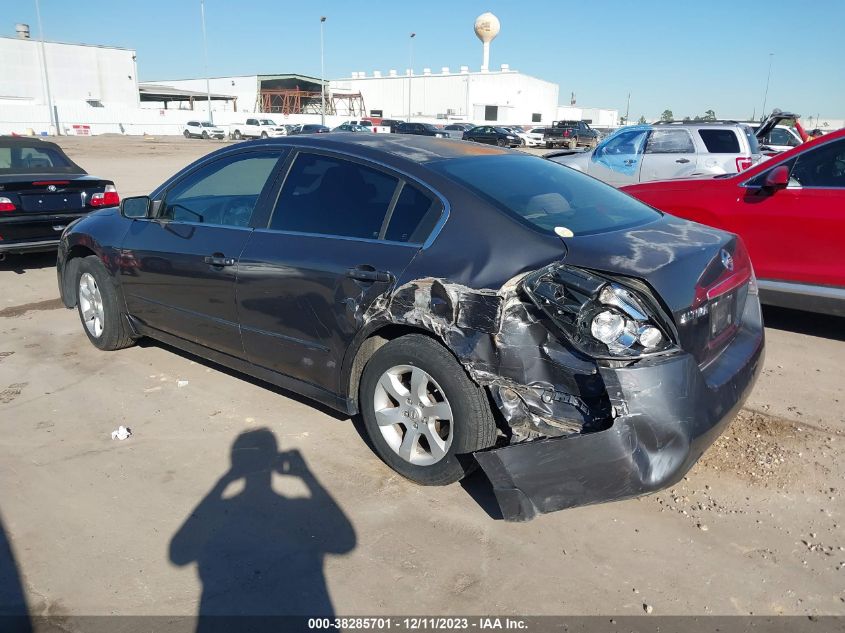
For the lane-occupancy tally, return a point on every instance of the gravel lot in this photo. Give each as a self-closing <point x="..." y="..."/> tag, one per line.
<point x="99" y="526"/>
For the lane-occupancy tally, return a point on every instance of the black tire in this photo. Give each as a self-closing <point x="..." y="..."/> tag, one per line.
<point x="186" y="134"/>
<point x="264" y="135"/>
<point x="501" y="142"/>
<point x="115" y="333"/>
<point x="473" y="426"/>
<point x="550" y="145"/>
<point x="237" y="135"/>
<point x="205" y="135"/>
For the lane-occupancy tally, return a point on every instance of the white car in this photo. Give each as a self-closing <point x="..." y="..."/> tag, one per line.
<point x="534" y="137"/>
<point x="203" y="129"/>
<point x="257" y="128"/>
<point x="781" y="138"/>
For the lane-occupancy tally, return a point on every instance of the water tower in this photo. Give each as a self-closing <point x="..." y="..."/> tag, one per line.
<point x="486" y="28"/>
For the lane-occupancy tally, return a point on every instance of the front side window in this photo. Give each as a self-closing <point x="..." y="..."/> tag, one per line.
<point x="622" y="143"/>
<point x="672" y="141"/>
<point x="720" y="140"/>
<point x="326" y="195"/>
<point x="822" y="167"/>
<point x="222" y="193"/>
<point x="543" y="194"/>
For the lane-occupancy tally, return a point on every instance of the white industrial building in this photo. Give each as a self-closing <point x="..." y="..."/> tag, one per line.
<point x="500" y="96"/>
<point x="78" y="73"/>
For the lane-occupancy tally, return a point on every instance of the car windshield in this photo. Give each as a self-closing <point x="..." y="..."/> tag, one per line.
<point x="267" y="122"/>
<point x="35" y="158"/>
<point x="544" y="194"/>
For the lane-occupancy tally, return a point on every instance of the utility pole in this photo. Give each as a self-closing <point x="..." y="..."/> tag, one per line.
<point x="410" y="70"/>
<point x="627" y="108"/>
<point x="54" y="116"/>
<point x="322" y="76"/>
<point x="205" y="52"/>
<point x="768" y="76"/>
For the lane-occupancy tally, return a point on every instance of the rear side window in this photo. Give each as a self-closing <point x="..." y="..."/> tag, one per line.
<point x="753" y="145"/>
<point x="672" y="141"/>
<point x="325" y="195"/>
<point x="720" y="140"/>
<point x="413" y="217"/>
<point x="222" y="193"/>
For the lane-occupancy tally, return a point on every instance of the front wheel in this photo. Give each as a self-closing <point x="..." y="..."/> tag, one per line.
<point x="422" y="412"/>
<point x="98" y="306"/>
<point x="237" y="135"/>
<point x="264" y="135"/>
<point x="205" y="135"/>
<point x="501" y="142"/>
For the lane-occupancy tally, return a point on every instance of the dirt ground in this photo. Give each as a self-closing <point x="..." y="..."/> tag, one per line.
<point x="163" y="522"/>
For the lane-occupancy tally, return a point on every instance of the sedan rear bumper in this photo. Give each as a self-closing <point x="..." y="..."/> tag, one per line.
<point x="17" y="248"/>
<point x="668" y="413"/>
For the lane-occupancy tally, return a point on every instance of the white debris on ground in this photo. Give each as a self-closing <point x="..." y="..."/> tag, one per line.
<point x="121" y="433"/>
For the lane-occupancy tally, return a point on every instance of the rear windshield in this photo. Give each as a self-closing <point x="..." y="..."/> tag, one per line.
<point x="544" y="194"/>
<point x="720" y="140"/>
<point x="35" y="159"/>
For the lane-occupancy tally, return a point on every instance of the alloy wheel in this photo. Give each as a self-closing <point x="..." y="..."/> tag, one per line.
<point x="414" y="415"/>
<point x="91" y="305"/>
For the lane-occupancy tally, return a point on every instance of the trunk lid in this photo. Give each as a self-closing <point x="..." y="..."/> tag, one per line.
<point x="699" y="275"/>
<point x="38" y="194"/>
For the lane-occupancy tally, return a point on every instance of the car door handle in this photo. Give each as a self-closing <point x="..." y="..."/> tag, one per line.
<point x="219" y="260"/>
<point x="367" y="274"/>
<point x="682" y="160"/>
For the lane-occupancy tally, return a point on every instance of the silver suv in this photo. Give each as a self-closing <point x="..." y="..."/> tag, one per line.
<point x="659" y="151"/>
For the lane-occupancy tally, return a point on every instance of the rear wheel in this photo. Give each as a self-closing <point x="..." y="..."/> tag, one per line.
<point x="422" y="411"/>
<point x="237" y="135"/>
<point x="98" y="306"/>
<point x="187" y="134"/>
<point x="501" y="142"/>
<point x="264" y="135"/>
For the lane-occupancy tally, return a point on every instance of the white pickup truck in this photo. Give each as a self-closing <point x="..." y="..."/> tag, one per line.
<point x="256" y="128"/>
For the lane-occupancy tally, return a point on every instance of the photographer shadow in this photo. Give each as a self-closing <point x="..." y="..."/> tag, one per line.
<point x="260" y="553"/>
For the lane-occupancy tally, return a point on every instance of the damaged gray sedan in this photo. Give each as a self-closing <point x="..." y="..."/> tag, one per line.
<point x="473" y="304"/>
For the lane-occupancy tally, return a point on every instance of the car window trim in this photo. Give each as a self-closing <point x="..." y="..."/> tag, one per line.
<point x="378" y="165"/>
<point x="262" y="195"/>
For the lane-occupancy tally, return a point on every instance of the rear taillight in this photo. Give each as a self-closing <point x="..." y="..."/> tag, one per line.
<point x="737" y="271"/>
<point x="108" y="198"/>
<point x="6" y="205"/>
<point x="743" y="163"/>
<point x="566" y="132"/>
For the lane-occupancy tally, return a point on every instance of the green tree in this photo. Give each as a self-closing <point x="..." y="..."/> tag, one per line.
<point x="667" y="116"/>
<point x="709" y="115"/>
<point x="641" y="120"/>
<point x="687" y="119"/>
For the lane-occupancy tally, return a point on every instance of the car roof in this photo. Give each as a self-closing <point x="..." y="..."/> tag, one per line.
<point x="420" y="149"/>
<point x="18" y="141"/>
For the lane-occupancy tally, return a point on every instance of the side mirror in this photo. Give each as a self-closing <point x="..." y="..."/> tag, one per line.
<point x="778" y="178"/>
<point x="135" y="207"/>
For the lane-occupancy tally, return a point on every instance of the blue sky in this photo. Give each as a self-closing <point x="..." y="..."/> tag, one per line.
<point x="689" y="57"/>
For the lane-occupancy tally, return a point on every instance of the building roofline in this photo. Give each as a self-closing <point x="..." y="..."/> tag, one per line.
<point x="37" y="41"/>
<point x="258" y="77"/>
<point x="449" y="74"/>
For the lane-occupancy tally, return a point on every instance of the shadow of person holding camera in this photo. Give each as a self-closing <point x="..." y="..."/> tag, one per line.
<point x="260" y="553"/>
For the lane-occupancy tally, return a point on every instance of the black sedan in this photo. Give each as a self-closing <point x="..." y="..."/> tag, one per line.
<point x="420" y="129"/>
<point x="492" y="135"/>
<point x="41" y="192"/>
<point x="310" y="128"/>
<point x="472" y="304"/>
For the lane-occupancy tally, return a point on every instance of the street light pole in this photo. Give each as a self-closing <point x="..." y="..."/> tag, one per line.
<point x="205" y="53"/>
<point x="410" y="70"/>
<point x="768" y="76"/>
<point x="627" y="108"/>
<point x="54" y="119"/>
<point x="322" y="76"/>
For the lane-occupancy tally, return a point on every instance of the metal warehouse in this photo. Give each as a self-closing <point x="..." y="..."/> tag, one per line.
<point x="503" y="96"/>
<point x="98" y="75"/>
